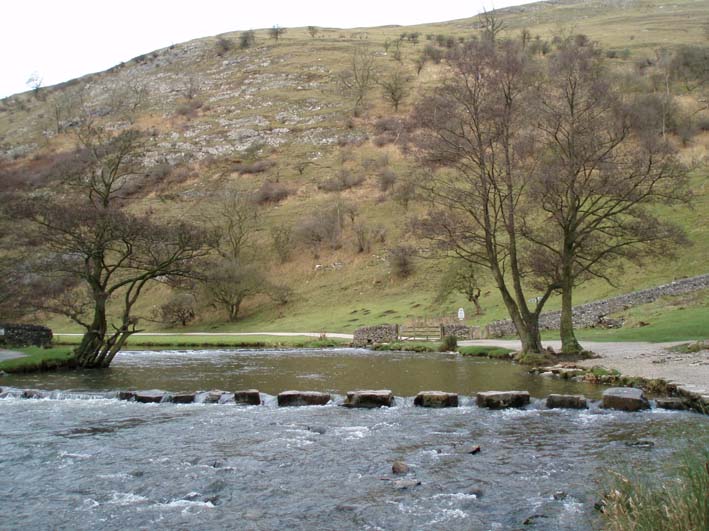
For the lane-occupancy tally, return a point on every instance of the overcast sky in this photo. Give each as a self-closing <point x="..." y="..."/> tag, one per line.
<point x="63" y="39"/>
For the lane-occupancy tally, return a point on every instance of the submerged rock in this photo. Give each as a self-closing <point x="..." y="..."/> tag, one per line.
<point x="302" y="398"/>
<point x="624" y="399"/>
<point x="502" y="399"/>
<point x="369" y="399"/>
<point x="472" y="449"/>
<point x="33" y="393"/>
<point x="249" y="397"/>
<point x="399" y="467"/>
<point x="213" y="397"/>
<point x="317" y="429"/>
<point x="640" y="444"/>
<point x="406" y="483"/>
<point x="567" y="401"/>
<point x="671" y="403"/>
<point x="149" y="397"/>
<point x="436" y="399"/>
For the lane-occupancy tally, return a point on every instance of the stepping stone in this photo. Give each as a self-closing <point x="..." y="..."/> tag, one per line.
<point x="624" y="399"/>
<point x="126" y="395"/>
<point x="502" y="399"/>
<point x="249" y="397"/>
<point x="567" y="401"/>
<point x="369" y="399"/>
<point x="153" y="396"/>
<point x="671" y="403"/>
<point x="302" y="398"/>
<point x="436" y="399"/>
<point x="182" y="398"/>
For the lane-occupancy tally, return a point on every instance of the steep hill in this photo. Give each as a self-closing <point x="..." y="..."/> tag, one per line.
<point x="273" y="117"/>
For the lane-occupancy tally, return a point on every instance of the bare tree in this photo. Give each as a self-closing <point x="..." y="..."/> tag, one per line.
<point x="357" y="81"/>
<point x="229" y="283"/>
<point x="276" y="32"/>
<point x="491" y="25"/>
<point x="247" y="39"/>
<point x="597" y="177"/>
<point x="395" y="87"/>
<point x="313" y="31"/>
<point x="475" y="125"/>
<point x="111" y="253"/>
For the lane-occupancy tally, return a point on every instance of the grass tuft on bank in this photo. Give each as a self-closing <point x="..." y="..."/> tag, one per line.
<point x="225" y="341"/>
<point x="641" y="504"/>
<point x="39" y="359"/>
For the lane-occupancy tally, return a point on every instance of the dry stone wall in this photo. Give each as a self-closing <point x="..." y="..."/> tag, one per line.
<point x="22" y="335"/>
<point x="371" y="335"/>
<point x="593" y="313"/>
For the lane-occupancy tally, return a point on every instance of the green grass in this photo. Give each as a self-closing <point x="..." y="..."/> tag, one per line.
<point x="683" y="317"/>
<point x="410" y="346"/>
<point x="486" y="352"/>
<point x="222" y="341"/>
<point x="641" y="504"/>
<point x="38" y="359"/>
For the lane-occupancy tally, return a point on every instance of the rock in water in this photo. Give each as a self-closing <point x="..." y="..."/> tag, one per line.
<point x="148" y="397"/>
<point x="671" y="403"/>
<point x="249" y="397"/>
<point x="406" y="483"/>
<point x="567" y="401"/>
<point x="502" y="399"/>
<point x="399" y="467"/>
<point x="369" y="399"/>
<point x="436" y="399"/>
<point x="625" y="399"/>
<point x="126" y="395"/>
<point x="302" y="398"/>
<point x="182" y="398"/>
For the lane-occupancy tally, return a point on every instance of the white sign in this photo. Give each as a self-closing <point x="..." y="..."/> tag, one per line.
<point x="461" y="314"/>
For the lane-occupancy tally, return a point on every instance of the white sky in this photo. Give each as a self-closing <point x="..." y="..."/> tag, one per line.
<point x="63" y="39"/>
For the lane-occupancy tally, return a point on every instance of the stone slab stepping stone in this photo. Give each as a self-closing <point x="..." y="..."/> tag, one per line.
<point x="567" y="401"/>
<point x="213" y="397"/>
<point x="502" y="399"/>
<point x="624" y="399"/>
<point x="149" y="397"/>
<point x="249" y="397"/>
<point x="126" y="395"/>
<point x="369" y="399"/>
<point x="182" y="398"/>
<point x="671" y="403"/>
<point x="302" y="398"/>
<point x="33" y="393"/>
<point x="436" y="399"/>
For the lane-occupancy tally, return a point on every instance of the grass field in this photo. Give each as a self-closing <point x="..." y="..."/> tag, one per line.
<point x="38" y="359"/>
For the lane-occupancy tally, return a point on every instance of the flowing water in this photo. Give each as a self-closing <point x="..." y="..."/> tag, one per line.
<point x="82" y="462"/>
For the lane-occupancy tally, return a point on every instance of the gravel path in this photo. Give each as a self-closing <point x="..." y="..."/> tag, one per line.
<point x="646" y="360"/>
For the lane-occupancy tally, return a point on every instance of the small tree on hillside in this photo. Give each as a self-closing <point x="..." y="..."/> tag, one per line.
<point x="357" y="81"/>
<point x="313" y="31"/>
<point x="395" y="87"/>
<point x="276" y="32"/>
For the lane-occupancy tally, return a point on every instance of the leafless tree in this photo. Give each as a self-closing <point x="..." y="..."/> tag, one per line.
<point x="395" y="87"/>
<point x="475" y="134"/>
<point x="491" y="24"/>
<point x="596" y="179"/>
<point x="111" y="253"/>
<point x="276" y="32"/>
<point x="357" y="81"/>
<point x="229" y="283"/>
<point x="313" y="31"/>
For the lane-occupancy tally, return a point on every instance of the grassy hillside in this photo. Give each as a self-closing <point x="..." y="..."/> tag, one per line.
<point x="225" y="117"/>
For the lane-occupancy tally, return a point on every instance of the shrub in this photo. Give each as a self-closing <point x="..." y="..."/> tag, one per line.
<point x="258" y="166"/>
<point x="282" y="237"/>
<point x="247" y="39"/>
<point x="223" y="45"/>
<point x="271" y="192"/>
<point x="189" y="108"/>
<point x="433" y="54"/>
<point x="386" y="179"/>
<point x="363" y="237"/>
<point x="344" y="180"/>
<point x="449" y="344"/>
<point x="178" y="310"/>
<point x="320" y="229"/>
<point x="401" y="260"/>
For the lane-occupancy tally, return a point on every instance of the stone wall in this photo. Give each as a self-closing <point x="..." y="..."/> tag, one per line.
<point x="22" y="335"/>
<point x="462" y="331"/>
<point x="593" y="313"/>
<point x="370" y="335"/>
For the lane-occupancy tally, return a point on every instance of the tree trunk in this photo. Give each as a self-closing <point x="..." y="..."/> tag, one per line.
<point x="569" y="343"/>
<point x="94" y="339"/>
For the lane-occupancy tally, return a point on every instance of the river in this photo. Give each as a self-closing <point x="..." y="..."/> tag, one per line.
<point x="82" y="461"/>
